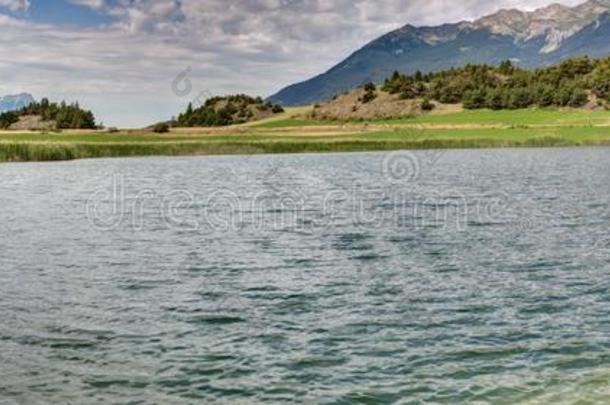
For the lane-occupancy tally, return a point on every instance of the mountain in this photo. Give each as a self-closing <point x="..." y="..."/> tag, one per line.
<point x="530" y="39"/>
<point x="15" y="102"/>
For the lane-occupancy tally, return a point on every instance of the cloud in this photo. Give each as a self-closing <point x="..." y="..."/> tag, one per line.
<point x="125" y="71"/>
<point x="15" y="5"/>
<point x="94" y="4"/>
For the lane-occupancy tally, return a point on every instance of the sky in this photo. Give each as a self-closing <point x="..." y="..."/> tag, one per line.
<point x="136" y="62"/>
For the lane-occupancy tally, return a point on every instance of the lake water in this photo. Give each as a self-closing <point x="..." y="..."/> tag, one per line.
<point x="444" y="277"/>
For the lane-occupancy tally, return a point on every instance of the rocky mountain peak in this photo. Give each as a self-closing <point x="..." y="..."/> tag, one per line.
<point x="555" y="22"/>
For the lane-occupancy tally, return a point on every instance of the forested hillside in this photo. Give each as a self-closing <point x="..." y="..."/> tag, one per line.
<point x="574" y="83"/>
<point x="49" y="115"/>
<point x="228" y="110"/>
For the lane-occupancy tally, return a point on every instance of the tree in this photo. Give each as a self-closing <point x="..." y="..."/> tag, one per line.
<point x="8" y="118"/>
<point x="506" y="86"/>
<point x="370" y="93"/>
<point x="545" y="96"/>
<point x="370" y="87"/>
<point x="496" y="99"/>
<point x="563" y="96"/>
<point x="506" y="68"/>
<point x="520" y="98"/>
<point x="579" y="97"/>
<point x="474" y="99"/>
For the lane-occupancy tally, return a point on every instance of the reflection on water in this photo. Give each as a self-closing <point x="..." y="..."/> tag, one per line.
<point x="378" y="278"/>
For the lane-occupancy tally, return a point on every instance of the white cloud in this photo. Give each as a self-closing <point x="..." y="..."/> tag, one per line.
<point x="254" y="46"/>
<point x="15" y="5"/>
<point x="94" y="4"/>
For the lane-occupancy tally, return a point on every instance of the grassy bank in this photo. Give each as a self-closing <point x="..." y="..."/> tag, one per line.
<point x="531" y="128"/>
<point x="520" y="118"/>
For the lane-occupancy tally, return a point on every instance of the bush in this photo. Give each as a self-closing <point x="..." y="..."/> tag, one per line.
<point x="368" y="97"/>
<point x="545" y="96"/>
<point x="370" y="93"/>
<point x="579" y="98"/>
<point x="495" y="100"/>
<point x="370" y="87"/>
<point x="426" y="105"/>
<point x="161" y="128"/>
<point x="520" y="98"/>
<point x="474" y="99"/>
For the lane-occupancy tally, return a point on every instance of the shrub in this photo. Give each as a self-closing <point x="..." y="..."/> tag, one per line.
<point x="495" y="100"/>
<point x="368" y="97"/>
<point x="161" y="128"/>
<point x="370" y="87"/>
<point x="520" y="98"/>
<point x="370" y="93"/>
<point x="474" y="99"/>
<point x="426" y="105"/>
<point x="579" y="98"/>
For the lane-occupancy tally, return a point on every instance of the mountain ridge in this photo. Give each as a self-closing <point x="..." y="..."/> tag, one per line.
<point x="530" y="38"/>
<point x="15" y="102"/>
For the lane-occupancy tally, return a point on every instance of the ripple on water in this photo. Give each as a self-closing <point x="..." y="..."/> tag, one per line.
<point x="505" y="304"/>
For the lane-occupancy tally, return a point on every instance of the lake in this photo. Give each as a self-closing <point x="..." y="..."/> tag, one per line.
<point x="407" y="277"/>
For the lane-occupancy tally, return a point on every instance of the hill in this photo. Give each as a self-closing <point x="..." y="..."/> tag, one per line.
<point x="577" y="83"/>
<point x="45" y="115"/>
<point x="227" y="110"/>
<point x="530" y="39"/>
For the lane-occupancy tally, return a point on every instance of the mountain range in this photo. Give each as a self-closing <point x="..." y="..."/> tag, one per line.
<point x="15" y="102"/>
<point x="530" y="39"/>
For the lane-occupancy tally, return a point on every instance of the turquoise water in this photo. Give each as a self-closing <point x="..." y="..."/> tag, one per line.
<point x="426" y="277"/>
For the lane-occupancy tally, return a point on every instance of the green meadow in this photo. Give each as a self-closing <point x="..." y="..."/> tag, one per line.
<point x="474" y="129"/>
<point x="529" y="117"/>
<point x="533" y="117"/>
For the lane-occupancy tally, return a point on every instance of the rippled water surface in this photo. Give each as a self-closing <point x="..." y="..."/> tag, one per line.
<point x="443" y="277"/>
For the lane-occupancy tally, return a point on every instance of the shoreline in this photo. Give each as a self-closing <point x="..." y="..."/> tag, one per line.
<point x="464" y="130"/>
<point x="47" y="152"/>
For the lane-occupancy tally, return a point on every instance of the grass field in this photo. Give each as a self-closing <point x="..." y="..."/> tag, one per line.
<point x="292" y="134"/>
<point x="531" y="117"/>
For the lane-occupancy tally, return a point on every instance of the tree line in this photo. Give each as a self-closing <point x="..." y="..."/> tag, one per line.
<point x="569" y="84"/>
<point x="65" y="116"/>
<point x="223" y="111"/>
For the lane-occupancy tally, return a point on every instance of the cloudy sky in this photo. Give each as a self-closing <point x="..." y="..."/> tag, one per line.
<point x="137" y="61"/>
